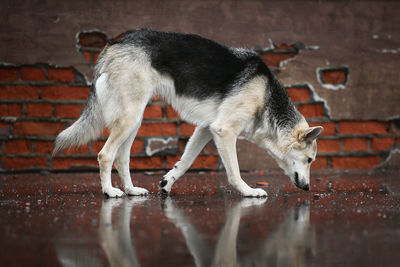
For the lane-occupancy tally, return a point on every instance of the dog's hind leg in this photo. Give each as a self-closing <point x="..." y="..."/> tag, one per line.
<point x="119" y="133"/>
<point x="197" y="141"/>
<point x="122" y="164"/>
<point x="123" y="130"/>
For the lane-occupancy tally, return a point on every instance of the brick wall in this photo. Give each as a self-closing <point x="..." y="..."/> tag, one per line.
<point x="38" y="101"/>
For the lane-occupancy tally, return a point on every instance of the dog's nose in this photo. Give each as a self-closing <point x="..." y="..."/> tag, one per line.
<point x="297" y="183"/>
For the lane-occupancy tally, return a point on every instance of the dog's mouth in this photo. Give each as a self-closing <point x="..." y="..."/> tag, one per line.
<point x="297" y="183"/>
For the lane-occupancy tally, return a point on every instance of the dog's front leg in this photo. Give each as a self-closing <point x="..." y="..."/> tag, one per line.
<point x="225" y="140"/>
<point x="199" y="139"/>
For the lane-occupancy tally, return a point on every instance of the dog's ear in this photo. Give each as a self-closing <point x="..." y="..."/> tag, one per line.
<point x="310" y="134"/>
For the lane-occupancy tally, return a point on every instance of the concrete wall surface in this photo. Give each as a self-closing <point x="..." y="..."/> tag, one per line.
<point x="340" y="61"/>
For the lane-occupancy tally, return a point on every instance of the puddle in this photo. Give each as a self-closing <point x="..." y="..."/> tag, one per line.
<point x="338" y="229"/>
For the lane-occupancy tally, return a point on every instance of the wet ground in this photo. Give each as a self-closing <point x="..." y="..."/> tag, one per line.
<point x="347" y="219"/>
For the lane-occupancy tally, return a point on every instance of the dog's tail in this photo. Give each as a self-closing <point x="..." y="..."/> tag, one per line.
<point x="86" y="128"/>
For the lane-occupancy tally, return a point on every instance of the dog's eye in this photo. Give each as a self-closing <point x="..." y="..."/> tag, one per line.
<point x="309" y="160"/>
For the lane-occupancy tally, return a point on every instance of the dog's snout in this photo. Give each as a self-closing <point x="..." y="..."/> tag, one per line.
<point x="297" y="183"/>
<point x="296" y="179"/>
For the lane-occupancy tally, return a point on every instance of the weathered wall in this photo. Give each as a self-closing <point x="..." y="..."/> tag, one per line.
<point x="344" y="54"/>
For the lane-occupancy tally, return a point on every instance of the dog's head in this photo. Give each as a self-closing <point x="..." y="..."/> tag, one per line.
<point x="301" y="152"/>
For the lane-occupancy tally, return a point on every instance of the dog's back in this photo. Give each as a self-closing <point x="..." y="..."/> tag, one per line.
<point x="200" y="68"/>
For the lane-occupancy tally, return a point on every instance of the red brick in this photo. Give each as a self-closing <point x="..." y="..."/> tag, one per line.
<point x="79" y="150"/>
<point x="355" y="144"/>
<point x="61" y="75"/>
<point x="67" y="163"/>
<point x="329" y="127"/>
<point x="8" y="74"/>
<point x="187" y="129"/>
<point x="97" y="146"/>
<point x="299" y="94"/>
<point x="201" y="162"/>
<point x="157" y="129"/>
<point x="140" y="163"/>
<point x="39" y="110"/>
<point x="153" y="112"/>
<point x="38" y="128"/>
<point x="4" y="128"/>
<point x="366" y="162"/>
<point x="92" y="39"/>
<point x="383" y="143"/>
<point x="19" y="92"/>
<point x="17" y="147"/>
<point x="312" y="110"/>
<point x="320" y="163"/>
<point x="137" y="146"/>
<point x="19" y="163"/>
<point x="362" y="127"/>
<point x="273" y="59"/>
<point x="95" y="58"/>
<point x="327" y="145"/>
<point x="88" y="56"/>
<point x="171" y="113"/>
<point x="43" y="147"/>
<point x="67" y="110"/>
<point x="10" y="110"/>
<point x="334" y="76"/>
<point x="65" y="92"/>
<point x="33" y="74"/>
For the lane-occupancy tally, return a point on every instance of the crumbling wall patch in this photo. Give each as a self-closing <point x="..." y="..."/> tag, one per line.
<point x="333" y="78"/>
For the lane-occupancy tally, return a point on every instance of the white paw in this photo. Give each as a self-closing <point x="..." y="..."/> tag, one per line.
<point x="165" y="185"/>
<point x="136" y="191"/>
<point x="113" y="192"/>
<point x="254" y="192"/>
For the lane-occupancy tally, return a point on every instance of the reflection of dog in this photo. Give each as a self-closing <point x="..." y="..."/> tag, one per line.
<point x="224" y="91"/>
<point x="292" y="242"/>
<point x="288" y="245"/>
<point x="116" y="240"/>
<point x="225" y="251"/>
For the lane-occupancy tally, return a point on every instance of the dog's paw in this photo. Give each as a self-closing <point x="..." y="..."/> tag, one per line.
<point x="136" y="191"/>
<point x="165" y="186"/>
<point x="254" y="192"/>
<point x="162" y="192"/>
<point x="113" y="192"/>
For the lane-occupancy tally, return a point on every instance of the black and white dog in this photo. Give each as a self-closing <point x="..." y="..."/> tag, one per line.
<point x="223" y="91"/>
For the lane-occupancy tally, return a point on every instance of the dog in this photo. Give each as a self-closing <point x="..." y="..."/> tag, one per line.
<point x="224" y="91"/>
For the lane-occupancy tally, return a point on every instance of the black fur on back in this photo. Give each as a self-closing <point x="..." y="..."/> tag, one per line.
<point x="200" y="67"/>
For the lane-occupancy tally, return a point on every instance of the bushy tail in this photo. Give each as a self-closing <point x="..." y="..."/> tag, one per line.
<point x="86" y="128"/>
